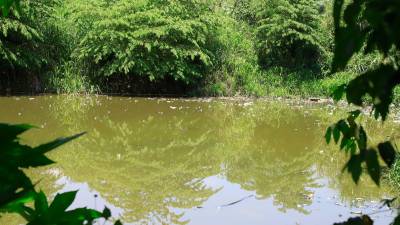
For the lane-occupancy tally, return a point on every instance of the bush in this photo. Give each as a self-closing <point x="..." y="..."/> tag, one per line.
<point x="149" y="38"/>
<point x="237" y="71"/>
<point x="31" y="45"/>
<point x="290" y="33"/>
<point x="19" y="41"/>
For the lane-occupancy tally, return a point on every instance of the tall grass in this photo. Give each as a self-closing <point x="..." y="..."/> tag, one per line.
<point x="393" y="176"/>
<point x="68" y="79"/>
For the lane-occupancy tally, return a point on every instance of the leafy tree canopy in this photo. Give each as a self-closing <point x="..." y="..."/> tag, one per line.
<point x="151" y="38"/>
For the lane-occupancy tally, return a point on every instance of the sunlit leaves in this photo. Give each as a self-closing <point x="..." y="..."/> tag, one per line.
<point x="290" y="34"/>
<point x="153" y="39"/>
<point x="19" y="37"/>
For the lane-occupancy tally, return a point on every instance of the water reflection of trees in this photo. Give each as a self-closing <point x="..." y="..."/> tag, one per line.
<point x="275" y="156"/>
<point x="139" y="171"/>
<point x="150" y="156"/>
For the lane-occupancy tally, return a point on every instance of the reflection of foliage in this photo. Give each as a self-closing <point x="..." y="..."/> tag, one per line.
<point x="264" y="162"/>
<point x="150" y="157"/>
<point x="71" y="108"/>
<point x="148" y="175"/>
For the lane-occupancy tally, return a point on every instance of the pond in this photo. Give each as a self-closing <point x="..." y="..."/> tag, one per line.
<point x="198" y="161"/>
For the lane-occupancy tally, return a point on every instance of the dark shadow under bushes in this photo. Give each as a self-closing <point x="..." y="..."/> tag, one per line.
<point x="19" y="82"/>
<point x="143" y="86"/>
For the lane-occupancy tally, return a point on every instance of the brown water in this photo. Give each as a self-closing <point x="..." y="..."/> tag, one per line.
<point x="198" y="161"/>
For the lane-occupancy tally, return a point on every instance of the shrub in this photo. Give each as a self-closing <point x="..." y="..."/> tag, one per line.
<point x="237" y="71"/>
<point x="19" y="41"/>
<point x="290" y="34"/>
<point x="150" y="38"/>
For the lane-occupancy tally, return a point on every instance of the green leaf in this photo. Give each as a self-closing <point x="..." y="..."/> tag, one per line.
<point x="373" y="167"/>
<point x="328" y="135"/>
<point x="396" y="220"/>
<point x="362" y="138"/>
<point x="348" y="41"/>
<point x="44" y="148"/>
<point x="16" y="204"/>
<point x="61" y="202"/>
<point x="336" y="134"/>
<point x="354" y="167"/>
<point x="10" y="132"/>
<point x="80" y="215"/>
<point x="35" y="157"/>
<point x="375" y="84"/>
<point x="41" y="204"/>
<point x="106" y="213"/>
<point x="338" y="93"/>
<point x="362" y="220"/>
<point x="32" y="159"/>
<point x="117" y="222"/>
<point x="346" y="143"/>
<point x="387" y="153"/>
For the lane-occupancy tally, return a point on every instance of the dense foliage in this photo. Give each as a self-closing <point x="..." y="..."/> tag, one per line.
<point x="153" y="39"/>
<point x="290" y="33"/>
<point x="19" y="40"/>
<point x="206" y="47"/>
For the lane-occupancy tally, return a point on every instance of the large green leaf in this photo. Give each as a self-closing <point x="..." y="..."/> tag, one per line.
<point x="387" y="152"/>
<point x="373" y="167"/>
<point x="9" y="132"/>
<point x="353" y="166"/>
<point x="379" y="84"/>
<point x="61" y="202"/>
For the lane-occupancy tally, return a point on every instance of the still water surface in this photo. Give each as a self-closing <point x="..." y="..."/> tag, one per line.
<point x="198" y="161"/>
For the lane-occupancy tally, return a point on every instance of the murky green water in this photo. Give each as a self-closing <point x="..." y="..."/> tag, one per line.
<point x="197" y="161"/>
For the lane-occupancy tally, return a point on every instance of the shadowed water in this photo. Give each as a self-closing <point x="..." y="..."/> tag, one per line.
<point x="198" y="161"/>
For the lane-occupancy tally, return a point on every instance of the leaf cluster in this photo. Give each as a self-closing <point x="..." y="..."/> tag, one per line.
<point x="19" y="39"/>
<point x="366" y="26"/>
<point x="151" y="38"/>
<point x="290" y="34"/>
<point x="17" y="190"/>
<point x="353" y="140"/>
